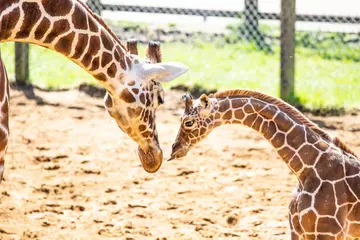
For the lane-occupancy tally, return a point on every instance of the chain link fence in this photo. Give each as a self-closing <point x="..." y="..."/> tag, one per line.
<point x="249" y="26"/>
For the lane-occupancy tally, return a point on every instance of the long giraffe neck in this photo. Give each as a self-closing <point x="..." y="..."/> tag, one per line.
<point x="297" y="143"/>
<point x="68" y="27"/>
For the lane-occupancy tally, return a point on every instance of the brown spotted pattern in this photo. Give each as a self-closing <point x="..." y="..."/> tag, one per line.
<point x="326" y="204"/>
<point x="151" y="97"/>
<point x="4" y="122"/>
<point x="142" y="98"/>
<point x="70" y="28"/>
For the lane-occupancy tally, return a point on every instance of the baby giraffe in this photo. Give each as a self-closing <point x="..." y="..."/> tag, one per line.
<point x="327" y="201"/>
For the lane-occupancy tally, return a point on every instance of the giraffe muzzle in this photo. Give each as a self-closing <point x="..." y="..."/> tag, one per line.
<point x="178" y="151"/>
<point x="151" y="160"/>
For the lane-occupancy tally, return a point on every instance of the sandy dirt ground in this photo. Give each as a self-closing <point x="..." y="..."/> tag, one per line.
<point x="72" y="174"/>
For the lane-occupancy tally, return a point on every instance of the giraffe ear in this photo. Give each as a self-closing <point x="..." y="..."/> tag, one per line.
<point x="205" y="104"/>
<point x="163" y="72"/>
<point x="204" y="101"/>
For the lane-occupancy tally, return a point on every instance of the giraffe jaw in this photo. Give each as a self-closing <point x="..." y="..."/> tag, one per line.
<point x="151" y="160"/>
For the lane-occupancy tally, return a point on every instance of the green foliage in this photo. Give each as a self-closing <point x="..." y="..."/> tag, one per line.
<point x="338" y="46"/>
<point x="320" y="83"/>
<point x="241" y="33"/>
<point x="328" y="45"/>
<point x="172" y="25"/>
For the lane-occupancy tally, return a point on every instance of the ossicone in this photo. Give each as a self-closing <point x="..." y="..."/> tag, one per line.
<point x="188" y="99"/>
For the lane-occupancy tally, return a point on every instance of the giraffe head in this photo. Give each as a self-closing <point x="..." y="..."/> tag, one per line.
<point x="134" y="104"/>
<point x="196" y="123"/>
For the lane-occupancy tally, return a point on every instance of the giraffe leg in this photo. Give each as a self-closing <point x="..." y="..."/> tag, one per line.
<point x="3" y="148"/>
<point x="4" y="116"/>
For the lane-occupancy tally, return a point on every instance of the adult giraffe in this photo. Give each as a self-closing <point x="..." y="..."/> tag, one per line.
<point x="133" y="85"/>
<point x="327" y="201"/>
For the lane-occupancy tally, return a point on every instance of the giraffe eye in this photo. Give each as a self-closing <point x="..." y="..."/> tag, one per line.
<point x="160" y="100"/>
<point x="189" y="123"/>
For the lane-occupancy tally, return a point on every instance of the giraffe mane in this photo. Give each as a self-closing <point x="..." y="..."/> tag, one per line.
<point x="102" y="23"/>
<point x="289" y="109"/>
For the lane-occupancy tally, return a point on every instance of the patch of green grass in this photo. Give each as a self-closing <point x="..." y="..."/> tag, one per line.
<point x="320" y="83"/>
<point x="328" y="45"/>
<point x="48" y="69"/>
<point x="228" y="66"/>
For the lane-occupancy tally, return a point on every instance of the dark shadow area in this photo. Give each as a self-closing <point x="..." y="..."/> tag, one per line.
<point x="355" y="130"/>
<point x="92" y="91"/>
<point x="29" y="93"/>
<point x="323" y="112"/>
<point x="195" y="91"/>
<point x="322" y="124"/>
<point x="76" y="108"/>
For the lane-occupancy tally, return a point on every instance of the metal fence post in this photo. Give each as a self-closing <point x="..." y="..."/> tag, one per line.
<point x="95" y="6"/>
<point x="21" y="62"/>
<point x="287" y="45"/>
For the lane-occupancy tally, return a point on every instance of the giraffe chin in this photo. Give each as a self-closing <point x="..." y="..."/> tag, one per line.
<point x="178" y="151"/>
<point x="178" y="155"/>
<point x="152" y="160"/>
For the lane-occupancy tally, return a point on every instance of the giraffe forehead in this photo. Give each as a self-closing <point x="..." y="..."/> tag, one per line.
<point x="143" y="93"/>
<point x="196" y="111"/>
<point x="189" y="113"/>
<point x="192" y="110"/>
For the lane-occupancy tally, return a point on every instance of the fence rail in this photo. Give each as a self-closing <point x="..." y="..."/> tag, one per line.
<point x="166" y="10"/>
